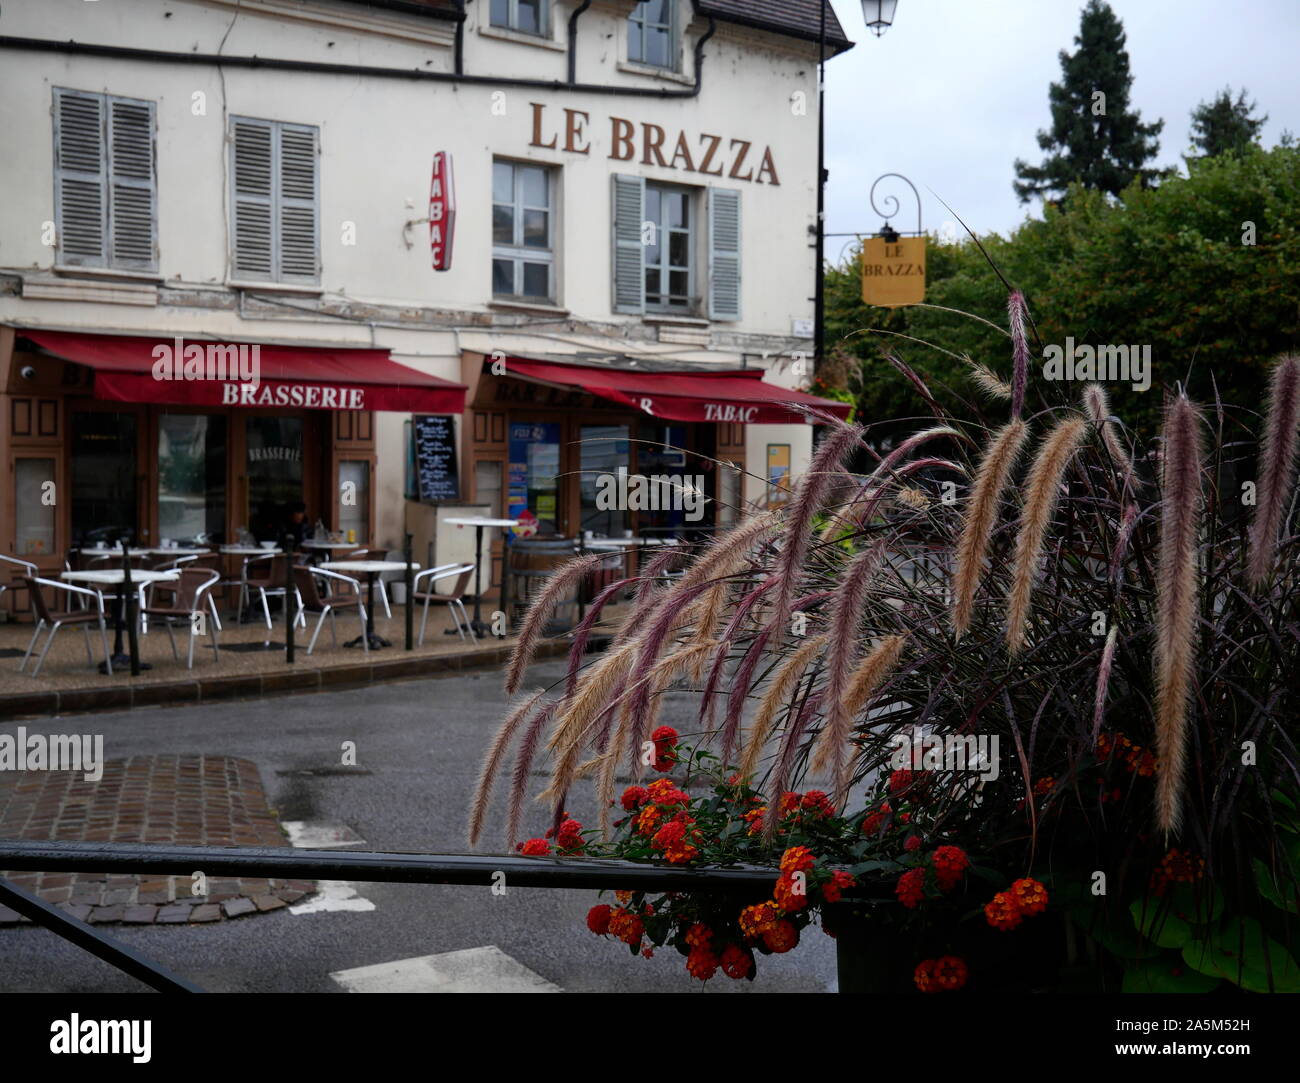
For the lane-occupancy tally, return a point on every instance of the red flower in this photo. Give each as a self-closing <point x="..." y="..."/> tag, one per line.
<point x="662" y="792"/>
<point x="627" y="926"/>
<point x="780" y="937"/>
<point x="1028" y="896"/>
<point x="699" y="935"/>
<point x="648" y="952"/>
<point x="912" y="843"/>
<point x="570" y="840"/>
<point x="872" y="823"/>
<point x="535" y="848"/>
<point x="737" y="962"/>
<point x="598" y="919"/>
<point x="797" y="859"/>
<point x="756" y="920"/>
<point x="1002" y="912"/>
<point x="676" y="839"/>
<point x="910" y="888"/>
<point x="818" y="804"/>
<point x="702" y="963"/>
<point x="950" y="864"/>
<point x="665" y="738"/>
<point x="633" y="798"/>
<point x="839" y="883"/>
<point x="791" y="894"/>
<point x="943" y="975"/>
<point x="913" y="783"/>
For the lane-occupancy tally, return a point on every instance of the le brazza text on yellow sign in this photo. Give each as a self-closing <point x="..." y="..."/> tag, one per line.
<point x="893" y="272"/>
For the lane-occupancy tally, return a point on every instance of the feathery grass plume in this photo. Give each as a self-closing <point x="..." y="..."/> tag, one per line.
<point x="981" y="516"/>
<point x="1277" y="455"/>
<point x="988" y="381"/>
<point x="846" y="611"/>
<point x="658" y="681"/>
<point x="794" y="730"/>
<point x="778" y="693"/>
<point x="1103" y="680"/>
<point x="1017" y="311"/>
<point x="1176" y="591"/>
<point x="1044" y="489"/>
<point x="492" y="762"/>
<point x="565" y="577"/>
<point x="1096" y="404"/>
<point x="825" y="466"/>
<point x="655" y="568"/>
<point x="738" y="618"/>
<point x="871" y="673"/>
<point x="582" y="633"/>
<point x="871" y="490"/>
<point x="523" y="766"/>
<point x="1128" y="520"/>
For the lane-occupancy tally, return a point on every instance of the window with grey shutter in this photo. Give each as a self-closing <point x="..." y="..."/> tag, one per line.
<point x="275" y="198"/>
<point x="106" y="188"/>
<point x="724" y="254"/>
<point x="628" y="200"/>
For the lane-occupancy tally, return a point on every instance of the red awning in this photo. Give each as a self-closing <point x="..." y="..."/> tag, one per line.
<point x="204" y="373"/>
<point x="736" y="395"/>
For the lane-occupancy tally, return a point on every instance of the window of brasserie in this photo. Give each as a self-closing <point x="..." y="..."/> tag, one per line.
<point x="104" y="477"/>
<point x="603" y="451"/>
<point x="662" y="451"/>
<point x="274" y="448"/>
<point x="192" y="478"/>
<point x="354" y="499"/>
<point x="34" y="505"/>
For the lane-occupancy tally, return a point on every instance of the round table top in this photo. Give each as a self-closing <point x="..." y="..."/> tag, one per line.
<point x="330" y="545"/>
<point x="178" y="551"/>
<point x="369" y="566"/>
<point x="476" y="520"/>
<point x="614" y="543"/>
<point x="110" y="551"/>
<point x="248" y="550"/>
<point x="115" y="575"/>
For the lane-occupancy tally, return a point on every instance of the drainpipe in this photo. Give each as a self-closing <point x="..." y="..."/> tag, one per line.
<point x="460" y="38"/>
<point x="573" y="39"/>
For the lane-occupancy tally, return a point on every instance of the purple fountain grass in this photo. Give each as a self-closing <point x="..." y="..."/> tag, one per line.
<point x="492" y="763"/>
<point x="565" y="577"/>
<point x="1017" y="311"/>
<point x="523" y="767"/>
<point x="582" y="633"/>
<point x="1277" y="461"/>
<point x="777" y="696"/>
<point x="988" y="381"/>
<point x="1128" y="520"/>
<point x="785" y="755"/>
<point x="846" y="611"/>
<point x="741" y="682"/>
<point x="1044" y="490"/>
<point x="1103" y="680"/>
<point x="738" y="618"/>
<point x="655" y="568"/>
<point x="809" y="494"/>
<point x="982" y="512"/>
<point x="872" y="671"/>
<point x="873" y="487"/>
<point x="1176" y="595"/>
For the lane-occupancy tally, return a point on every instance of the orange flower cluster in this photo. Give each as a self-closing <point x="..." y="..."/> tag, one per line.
<point x="677" y="840"/>
<point x="1136" y="759"/>
<point x="1177" y="867"/>
<point x="756" y="920"/>
<point x="703" y="960"/>
<point x="946" y="974"/>
<point x="627" y="926"/>
<point x="1021" y="900"/>
<point x="950" y="865"/>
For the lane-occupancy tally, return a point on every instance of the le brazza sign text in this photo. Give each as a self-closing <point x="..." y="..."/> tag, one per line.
<point x="442" y="211"/>
<point x="893" y="272"/>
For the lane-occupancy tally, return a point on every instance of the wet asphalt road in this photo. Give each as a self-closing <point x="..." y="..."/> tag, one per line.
<point x="422" y="742"/>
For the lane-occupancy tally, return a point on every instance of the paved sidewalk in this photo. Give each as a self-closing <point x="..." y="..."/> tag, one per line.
<point x="187" y="800"/>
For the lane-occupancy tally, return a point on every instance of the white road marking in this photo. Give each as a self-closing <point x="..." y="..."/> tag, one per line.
<point x="473" y="970"/>
<point x="331" y="895"/>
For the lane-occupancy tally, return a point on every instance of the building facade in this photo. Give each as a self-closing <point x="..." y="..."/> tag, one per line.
<point x="246" y="247"/>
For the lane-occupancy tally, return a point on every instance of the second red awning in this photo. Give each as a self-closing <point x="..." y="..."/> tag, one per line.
<point x="188" y="372"/>
<point x="734" y="395"/>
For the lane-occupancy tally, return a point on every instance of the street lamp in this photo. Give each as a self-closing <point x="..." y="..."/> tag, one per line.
<point x="879" y="15"/>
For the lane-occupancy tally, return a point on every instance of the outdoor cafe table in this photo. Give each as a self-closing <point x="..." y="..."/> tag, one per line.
<point x="371" y="568"/>
<point x="117" y="577"/>
<point x="479" y="522"/>
<point x="328" y="547"/>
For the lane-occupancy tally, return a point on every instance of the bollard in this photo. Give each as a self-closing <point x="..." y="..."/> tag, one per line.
<point x="290" y="600"/>
<point x="410" y="589"/>
<point x="128" y="605"/>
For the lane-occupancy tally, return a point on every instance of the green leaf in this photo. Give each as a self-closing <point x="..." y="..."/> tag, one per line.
<point x="1167" y="974"/>
<point x="1157" y="923"/>
<point x="1268" y="888"/>
<point x="1243" y="954"/>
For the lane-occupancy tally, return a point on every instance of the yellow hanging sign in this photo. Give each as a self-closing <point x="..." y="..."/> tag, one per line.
<point x="893" y="272"/>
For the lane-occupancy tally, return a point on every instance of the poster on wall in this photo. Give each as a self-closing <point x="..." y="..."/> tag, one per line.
<point x="778" y="475"/>
<point x="533" y="476"/>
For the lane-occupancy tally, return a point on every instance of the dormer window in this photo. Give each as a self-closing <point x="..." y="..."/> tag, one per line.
<point x="651" y="34"/>
<point x="524" y="16"/>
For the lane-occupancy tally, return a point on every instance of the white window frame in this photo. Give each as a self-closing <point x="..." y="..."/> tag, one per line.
<point x="693" y="203"/>
<point x="512" y="19"/>
<point x="518" y="253"/>
<point x="639" y="18"/>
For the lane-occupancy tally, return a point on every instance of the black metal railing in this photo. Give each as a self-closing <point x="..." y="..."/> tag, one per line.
<point x="22" y="855"/>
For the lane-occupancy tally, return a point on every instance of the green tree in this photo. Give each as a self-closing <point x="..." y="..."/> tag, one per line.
<point x="1096" y="140"/>
<point x="1222" y="125"/>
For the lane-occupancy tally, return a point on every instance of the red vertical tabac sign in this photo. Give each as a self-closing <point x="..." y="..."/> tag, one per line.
<point x="442" y="211"/>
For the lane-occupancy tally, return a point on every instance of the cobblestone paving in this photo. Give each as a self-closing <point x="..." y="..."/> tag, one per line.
<point x="186" y="800"/>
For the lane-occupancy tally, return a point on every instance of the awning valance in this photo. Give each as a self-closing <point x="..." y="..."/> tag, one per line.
<point x="190" y="372"/>
<point x="734" y="395"/>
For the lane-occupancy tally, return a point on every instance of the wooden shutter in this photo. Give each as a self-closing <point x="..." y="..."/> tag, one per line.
<point x="132" y="183"/>
<point x="724" y="254"/>
<point x="253" y="254"/>
<point x="80" y="198"/>
<point x="628" y="198"/>
<point x="297" y="225"/>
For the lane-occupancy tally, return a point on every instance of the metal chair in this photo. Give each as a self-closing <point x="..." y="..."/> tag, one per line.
<point x="376" y="554"/>
<point x="271" y="584"/>
<point x="346" y="595"/>
<point x="191" y="594"/>
<point x="454" y="600"/>
<point x="57" y="618"/>
<point x="28" y="571"/>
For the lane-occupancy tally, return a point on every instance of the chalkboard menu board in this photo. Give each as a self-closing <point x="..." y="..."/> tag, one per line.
<point x="435" y="458"/>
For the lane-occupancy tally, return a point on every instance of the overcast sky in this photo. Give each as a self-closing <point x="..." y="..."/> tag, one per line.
<point x="956" y="90"/>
